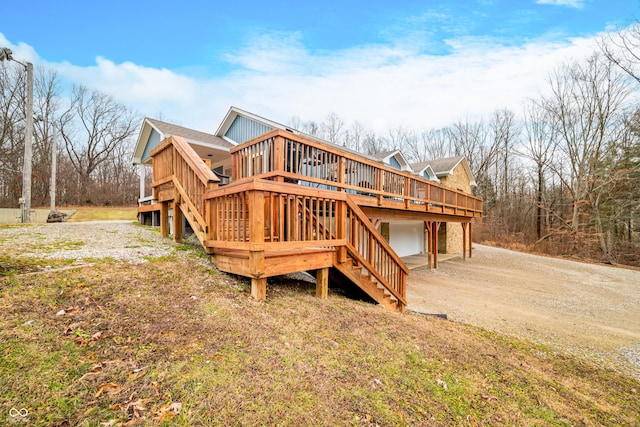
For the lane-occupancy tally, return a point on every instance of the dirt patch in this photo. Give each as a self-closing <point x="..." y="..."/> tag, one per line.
<point x="584" y="309"/>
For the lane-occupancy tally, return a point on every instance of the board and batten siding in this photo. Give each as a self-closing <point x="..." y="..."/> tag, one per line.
<point x="153" y="141"/>
<point x="244" y="129"/>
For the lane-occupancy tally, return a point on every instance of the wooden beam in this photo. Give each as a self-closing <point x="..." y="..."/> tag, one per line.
<point x="322" y="283"/>
<point x="259" y="288"/>
<point x="400" y="214"/>
<point x="164" y="219"/>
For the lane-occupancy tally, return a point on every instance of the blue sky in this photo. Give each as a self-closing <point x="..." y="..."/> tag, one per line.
<point x="384" y="63"/>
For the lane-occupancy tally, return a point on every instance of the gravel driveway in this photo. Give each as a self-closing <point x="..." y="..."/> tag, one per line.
<point x="589" y="310"/>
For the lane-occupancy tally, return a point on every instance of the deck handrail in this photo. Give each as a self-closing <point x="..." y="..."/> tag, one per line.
<point x="176" y="162"/>
<point x="370" y="249"/>
<point x="292" y="216"/>
<point x="286" y="156"/>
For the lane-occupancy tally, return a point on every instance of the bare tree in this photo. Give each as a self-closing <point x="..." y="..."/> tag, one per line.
<point x="46" y="105"/>
<point x="92" y="127"/>
<point x="433" y="144"/>
<point x="11" y="133"/>
<point x="623" y="49"/>
<point x="332" y="128"/>
<point x="471" y="139"/>
<point x="585" y="105"/>
<point x="504" y="132"/>
<point x="356" y="136"/>
<point x="539" y="147"/>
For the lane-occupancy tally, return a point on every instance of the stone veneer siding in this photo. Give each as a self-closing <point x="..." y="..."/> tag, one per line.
<point x="459" y="181"/>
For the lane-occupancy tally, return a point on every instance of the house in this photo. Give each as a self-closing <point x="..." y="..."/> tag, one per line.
<point x="264" y="200"/>
<point x="453" y="172"/>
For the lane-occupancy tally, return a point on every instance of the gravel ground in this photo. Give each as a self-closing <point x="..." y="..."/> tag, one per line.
<point x="589" y="310"/>
<point x="119" y="240"/>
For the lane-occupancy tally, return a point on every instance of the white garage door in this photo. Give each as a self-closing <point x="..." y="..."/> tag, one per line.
<point x="406" y="238"/>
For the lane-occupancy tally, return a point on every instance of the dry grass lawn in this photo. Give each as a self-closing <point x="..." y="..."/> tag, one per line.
<point x="174" y="342"/>
<point x="92" y="213"/>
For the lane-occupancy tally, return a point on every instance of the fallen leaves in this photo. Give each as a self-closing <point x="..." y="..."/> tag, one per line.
<point x="168" y="411"/>
<point x="137" y="373"/>
<point x="66" y="311"/>
<point x="110" y="388"/>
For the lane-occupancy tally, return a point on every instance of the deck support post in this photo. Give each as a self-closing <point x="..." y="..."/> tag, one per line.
<point x="259" y="288"/>
<point x="322" y="283"/>
<point x="256" y="235"/>
<point x="177" y="223"/>
<point x="164" y="219"/>
<point x="429" y="231"/>
<point x="435" y="225"/>
<point x="470" y="237"/>
<point x="464" y="240"/>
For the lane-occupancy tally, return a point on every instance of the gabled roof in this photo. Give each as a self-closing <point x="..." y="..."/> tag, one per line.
<point x="445" y="167"/>
<point x="235" y="112"/>
<point x="384" y="157"/>
<point x="420" y="168"/>
<point x="205" y="144"/>
<point x="190" y="135"/>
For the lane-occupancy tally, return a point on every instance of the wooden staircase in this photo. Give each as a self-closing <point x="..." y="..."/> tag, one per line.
<point x="354" y="272"/>
<point x="260" y="227"/>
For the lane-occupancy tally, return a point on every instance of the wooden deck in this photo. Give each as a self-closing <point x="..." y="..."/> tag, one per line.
<point x="295" y="204"/>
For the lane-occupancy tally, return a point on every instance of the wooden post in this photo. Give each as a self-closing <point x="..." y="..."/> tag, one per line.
<point x="380" y="185"/>
<point x="256" y="235"/>
<point x="278" y="157"/>
<point x="464" y="240"/>
<point x="259" y="288"/>
<point x="341" y="229"/>
<point x="407" y="191"/>
<point x="470" y="241"/>
<point x="436" y="225"/>
<point x="177" y="223"/>
<point x="322" y="283"/>
<point x="341" y="172"/>
<point x="429" y="228"/>
<point x="164" y="219"/>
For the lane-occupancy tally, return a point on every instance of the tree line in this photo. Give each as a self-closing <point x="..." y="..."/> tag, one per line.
<point x="95" y="133"/>
<point x="562" y="175"/>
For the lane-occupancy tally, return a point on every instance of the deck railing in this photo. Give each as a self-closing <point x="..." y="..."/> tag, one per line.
<point x="374" y="254"/>
<point x="284" y="156"/>
<point x="178" y="167"/>
<point x="261" y="215"/>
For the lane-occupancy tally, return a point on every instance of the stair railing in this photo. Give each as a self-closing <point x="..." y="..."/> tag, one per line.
<point x="371" y="251"/>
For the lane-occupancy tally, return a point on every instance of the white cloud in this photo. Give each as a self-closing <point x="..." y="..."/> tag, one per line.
<point x="578" y="4"/>
<point x="382" y="86"/>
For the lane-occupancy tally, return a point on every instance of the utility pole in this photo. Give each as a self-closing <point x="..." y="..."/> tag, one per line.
<point x="54" y="169"/>
<point x="28" y="147"/>
<point x="25" y="200"/>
